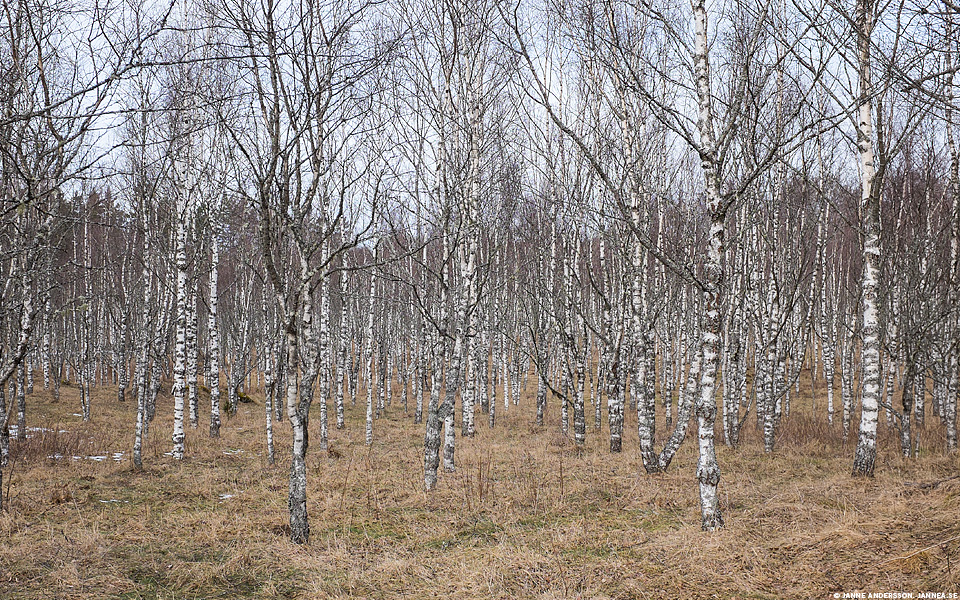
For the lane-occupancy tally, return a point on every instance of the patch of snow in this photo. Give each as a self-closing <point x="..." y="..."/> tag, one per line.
<point x="117" y="456"/>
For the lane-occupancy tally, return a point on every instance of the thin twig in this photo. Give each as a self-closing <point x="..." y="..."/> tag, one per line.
<point x="938" y="544"/>
<point x="932" y="484"/>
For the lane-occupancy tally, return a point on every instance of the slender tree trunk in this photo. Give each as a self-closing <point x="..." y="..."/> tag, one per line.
<point x="688" y="398"/>
<point x="342" y="343"/>
<point x="615" y="403"/>
<point x="866" y="452"/>
<point x="323" y="358"/>
<point x="192" y="362"/>
<point x="431" y="443"/>
<point x="297" y="494"/>
<point x="541" y="396"/>
<point x="906" y="444"/>
<point x="143" y="366"/>
<point x="950" y="406"/>
<point x="846" y="387"/>
<point x="708" y="472"/>
<point x="213" y="336"/>
<point x="579" y="417"/>
<point x="368" y="359"/>
<point x="270" y="396"/>
<point x="21" y="405"/>
<point x="4" y="437"/>
<point x="180" y="352"/>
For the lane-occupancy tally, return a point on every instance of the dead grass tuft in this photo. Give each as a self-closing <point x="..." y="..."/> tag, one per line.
<point x="52" y="442"/>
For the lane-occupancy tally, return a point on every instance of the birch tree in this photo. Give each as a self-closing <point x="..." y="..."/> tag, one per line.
<point x="307" y="81"/>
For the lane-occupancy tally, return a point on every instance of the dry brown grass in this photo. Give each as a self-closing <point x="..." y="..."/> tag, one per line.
<point x="507" y="524"/>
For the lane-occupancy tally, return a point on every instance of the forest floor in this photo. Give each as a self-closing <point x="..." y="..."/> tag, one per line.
<point x="522" y="517"/>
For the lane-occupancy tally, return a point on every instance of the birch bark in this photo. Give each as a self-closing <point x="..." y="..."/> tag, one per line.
<point x="865" y="457"/>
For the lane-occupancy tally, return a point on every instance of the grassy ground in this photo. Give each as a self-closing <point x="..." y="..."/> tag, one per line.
<point x="523" y="516"/>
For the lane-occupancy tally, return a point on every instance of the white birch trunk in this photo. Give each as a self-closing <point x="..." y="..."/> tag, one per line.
<point x="297" y="492"/>
<point x="323" y="357"/>
<point x="708" y="472"/>
<point x="180" y="350"/>
<point x="950" y="406"/>
<point x="21" y="405"/>
<point x="368" y="358"/>
<point x="192" y="351"/>
<point x="866" y="452"/>
<point x="143" y="366"/>
<point x="270" y="395"/>
<point x="846" y="386"/>
<point x="343" y="342"/>
<point x="213" y="333"/>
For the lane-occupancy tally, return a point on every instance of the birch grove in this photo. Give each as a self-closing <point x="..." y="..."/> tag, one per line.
<point x="582" y="214"/>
